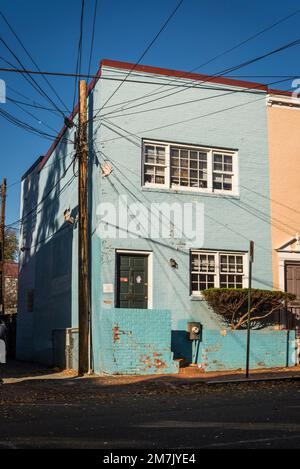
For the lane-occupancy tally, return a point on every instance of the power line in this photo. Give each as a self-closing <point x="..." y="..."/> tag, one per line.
<point x="20" y="220"/>
<point x="253" y="90"/>
<point x="224" y="72"/>
<point x="254" y="36"/>
<point x="35" y="106"/>
<point x="247" y="207"/>
<point x="271" y="200"/>
<point x="141" y="132"/>
<point x="25" y="76"/>
<point x="93" y="36"/>
<point x="46" y="238"/>
<point x="221" y="54"/>
<point x="19" y="181"/>
<point x="33" y="116"/>
<point x="79" y="51"/>
<point x="37" y="86"/>
<point x="34" y="103"/>
<point x="32" y="59"/>
<point x="138" y="74"/>
<point x="134" y="195"/>
<point x="144" y="53"/>
<point x="13" y="184"/>
<point x="23" y="125"/>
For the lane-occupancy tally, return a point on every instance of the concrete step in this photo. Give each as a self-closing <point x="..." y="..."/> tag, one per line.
<point x="191" y="370"/>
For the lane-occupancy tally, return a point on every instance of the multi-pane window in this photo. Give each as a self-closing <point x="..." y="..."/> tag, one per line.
<point x="155" y="164"/>
<point x="203" y="271"/>
<point x="216" y="270"/>
<point x="231" y="271"/>
<point x="222" y="171"/>
<point x="188" y="167"/>
<point x="176" y="166"/>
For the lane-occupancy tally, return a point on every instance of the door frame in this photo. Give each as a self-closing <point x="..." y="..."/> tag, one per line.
<point x="284" y="259"/>
<point x="149" y="255"/>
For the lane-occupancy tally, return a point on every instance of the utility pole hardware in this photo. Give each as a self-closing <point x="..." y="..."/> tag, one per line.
<point x="83" y="281"/>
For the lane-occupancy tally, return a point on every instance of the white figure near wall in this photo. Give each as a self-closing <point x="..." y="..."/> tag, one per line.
<point x="2" y="351"/>
<point x="3" y="342"/>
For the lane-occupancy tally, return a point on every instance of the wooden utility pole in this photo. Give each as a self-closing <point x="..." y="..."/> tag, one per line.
<point x="2" y="241"/>
<point x="83" y="281"/>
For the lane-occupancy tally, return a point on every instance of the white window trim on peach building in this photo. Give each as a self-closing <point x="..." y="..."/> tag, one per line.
<point x="287" y="253"/>
<point x="280" y="100"/>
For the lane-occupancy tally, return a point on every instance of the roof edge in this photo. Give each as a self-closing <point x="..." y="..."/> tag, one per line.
<point x="157" y="71"/>
<point x="181" y="74"/>
<point x="71" y="117"/>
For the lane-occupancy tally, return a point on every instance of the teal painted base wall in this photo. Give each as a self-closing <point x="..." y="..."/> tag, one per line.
<point x="268" y="349"/>
<point x="135" y="342"/>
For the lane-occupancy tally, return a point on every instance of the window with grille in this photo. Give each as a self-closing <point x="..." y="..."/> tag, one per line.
<point x="188" y="167"/>
<point x="155" y="164"/>
<point x="222" y="171"/>
<point x="213" y="269"/>
<point x="176" y="166"/>
<point x="231" y="271"/>
<point x="203" y="271"/>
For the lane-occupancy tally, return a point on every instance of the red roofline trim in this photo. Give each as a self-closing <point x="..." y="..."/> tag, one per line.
<point x="71" y="117"/>
<point x="281" y="92"/>
<point x="158" y="71"/>
<point x="181" y="74"/>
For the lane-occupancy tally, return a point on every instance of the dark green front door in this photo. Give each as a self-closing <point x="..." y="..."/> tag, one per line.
<point x="132" y="281"/>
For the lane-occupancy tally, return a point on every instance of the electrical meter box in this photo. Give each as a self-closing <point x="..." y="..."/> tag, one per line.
<point x="194" y="330"/>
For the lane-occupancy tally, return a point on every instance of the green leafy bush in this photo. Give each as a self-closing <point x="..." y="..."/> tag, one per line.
<point x="232" y="304"/>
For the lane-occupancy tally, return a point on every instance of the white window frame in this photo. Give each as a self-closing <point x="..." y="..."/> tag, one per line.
<point x="210" y="151"/>
<point x="166" y="165"/>
<point x="218" y="272"/>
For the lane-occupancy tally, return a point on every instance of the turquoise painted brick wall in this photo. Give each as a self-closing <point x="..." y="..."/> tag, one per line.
<point x="228" y="352"/>
<point x="229" y="222"/>
<point x="136" y="342"/>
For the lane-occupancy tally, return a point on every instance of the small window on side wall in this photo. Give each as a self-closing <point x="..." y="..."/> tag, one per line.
<point x="30" y="300"/>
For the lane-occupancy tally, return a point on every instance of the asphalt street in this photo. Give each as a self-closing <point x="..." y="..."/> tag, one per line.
<point x="68" y="414"/>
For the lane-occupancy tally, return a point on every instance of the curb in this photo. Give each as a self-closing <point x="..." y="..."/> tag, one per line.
<point x="253" y="380"/>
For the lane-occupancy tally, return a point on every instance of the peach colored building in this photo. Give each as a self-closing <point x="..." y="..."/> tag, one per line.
<point x="284" y="153"/>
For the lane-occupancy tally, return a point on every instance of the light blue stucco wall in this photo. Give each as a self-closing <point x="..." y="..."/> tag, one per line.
<point x="229" y="222"/>
<point x="47" y="262"/>
<point x="268" y="349"/>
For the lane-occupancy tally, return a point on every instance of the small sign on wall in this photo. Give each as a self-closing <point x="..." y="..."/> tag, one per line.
<point x="108" y="288"/>
<point x="107" y="302"/>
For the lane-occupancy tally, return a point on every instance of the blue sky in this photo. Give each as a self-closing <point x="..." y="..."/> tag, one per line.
<point x="200" y="30"/>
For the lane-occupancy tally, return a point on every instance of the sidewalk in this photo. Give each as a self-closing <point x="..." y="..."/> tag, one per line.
<point x="236" y="376"/>
<point x="19" y="372"/>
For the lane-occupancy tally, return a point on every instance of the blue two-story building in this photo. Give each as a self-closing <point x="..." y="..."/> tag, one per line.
<point x="178" y="186"/>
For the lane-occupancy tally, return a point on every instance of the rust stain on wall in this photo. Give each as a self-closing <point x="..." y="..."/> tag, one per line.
<point x="153" y="361"/>
<point x="116" y="333"/>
